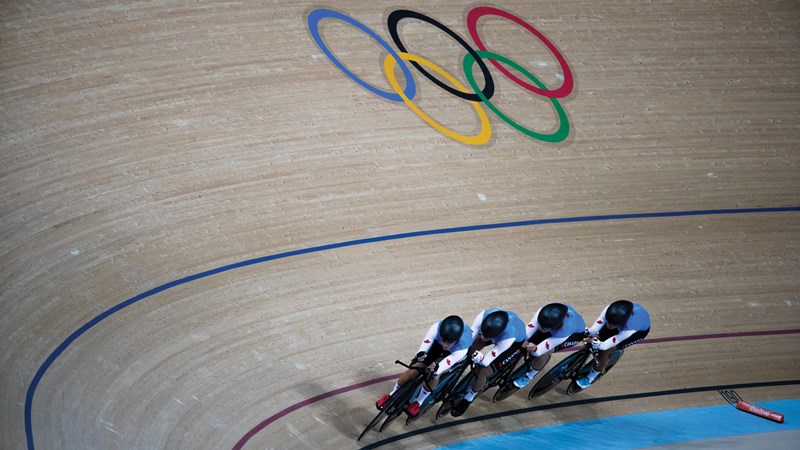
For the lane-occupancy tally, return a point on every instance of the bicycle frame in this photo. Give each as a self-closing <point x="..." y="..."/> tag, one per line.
<point x="496" y="379"/>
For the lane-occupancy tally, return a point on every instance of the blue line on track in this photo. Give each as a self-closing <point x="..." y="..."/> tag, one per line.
<point x="80" y="331"/>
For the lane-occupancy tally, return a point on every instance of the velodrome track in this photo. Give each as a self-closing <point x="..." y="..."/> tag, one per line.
<point x="214" y="238"/>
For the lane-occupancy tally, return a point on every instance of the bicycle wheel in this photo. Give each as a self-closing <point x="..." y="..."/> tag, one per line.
<point x="446" y="407"/>
<point x="374" y="422"/>
<point x="505" y="391"/>
<point x="557" y="374"/>
<point x="454" y="395"/>
<point x="612" y="360"/>
<point x="389" y="419"/>
<point x="573" y="387"/>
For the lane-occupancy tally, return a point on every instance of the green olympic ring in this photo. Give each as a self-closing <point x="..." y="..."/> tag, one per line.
<point x="558" y="136"/>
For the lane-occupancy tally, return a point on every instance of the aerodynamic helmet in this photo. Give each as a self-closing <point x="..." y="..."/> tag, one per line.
<point x="619" y="312"/>
<point x="551" y="316"/>
<point x="450" y="328"/>
<point x="494" y="324"/>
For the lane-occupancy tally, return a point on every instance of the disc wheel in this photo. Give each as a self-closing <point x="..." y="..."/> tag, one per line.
<point x="555" y="375"/>
<point x="505" y="391"/>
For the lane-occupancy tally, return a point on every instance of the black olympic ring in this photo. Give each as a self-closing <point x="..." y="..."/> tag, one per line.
<point x="396" y="16"/>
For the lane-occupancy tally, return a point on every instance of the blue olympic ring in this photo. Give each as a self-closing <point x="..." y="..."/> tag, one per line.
<point x="313" y="25"/>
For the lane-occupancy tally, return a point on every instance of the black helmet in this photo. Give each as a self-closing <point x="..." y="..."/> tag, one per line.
<point x="619" y="312"/>
<point x="551" y="316"/>
<point x="494" y="324"/>
<point x="450" y="328"/>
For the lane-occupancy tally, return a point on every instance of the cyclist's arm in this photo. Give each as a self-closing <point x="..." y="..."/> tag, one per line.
<point x="547" y="345"/>
<point x="451" y="360"/>
<point x="530" y="328"/>
<point x="598" y="324"/>
<point x="498" y="348"/>
<point x="476" y="325"/>
<point x="427" y="342"/>
<point x="614" y="340"/>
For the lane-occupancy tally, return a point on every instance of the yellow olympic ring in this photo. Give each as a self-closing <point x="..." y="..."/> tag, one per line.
<point x="486" y="129"/>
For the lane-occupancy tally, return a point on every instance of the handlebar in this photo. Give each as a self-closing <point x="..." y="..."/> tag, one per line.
<point x="426" y="371"/>
<point x="397" y="361"/>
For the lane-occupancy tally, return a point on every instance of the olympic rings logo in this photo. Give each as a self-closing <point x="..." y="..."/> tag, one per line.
<point x="478" y="95"/>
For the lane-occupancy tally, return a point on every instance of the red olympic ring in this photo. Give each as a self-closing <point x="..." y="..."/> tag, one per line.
<point x="472" y="25"/>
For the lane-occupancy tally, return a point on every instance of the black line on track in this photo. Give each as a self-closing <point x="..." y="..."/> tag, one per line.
<point x="568" y="404"/>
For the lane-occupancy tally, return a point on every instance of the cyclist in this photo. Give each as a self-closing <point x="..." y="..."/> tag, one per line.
<point x="492" y="326"/>
<point x="620" y="325"/>
<point x="446" y="342"/>
<point x="554" y="327"/>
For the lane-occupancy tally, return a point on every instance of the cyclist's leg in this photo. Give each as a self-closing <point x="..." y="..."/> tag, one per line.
<point x="509" y="357"/>
<point x="601" y="361"/>
<point x="446" y="361"/>
<point x="535" y="365"/>
<point x="405" y="377"/>
<point x="481" y="374"/>
<point x="602" y="357"/>
<point x="433" y="354"/>
<point x="537" y="338"/>
<point x="478" y="382"/>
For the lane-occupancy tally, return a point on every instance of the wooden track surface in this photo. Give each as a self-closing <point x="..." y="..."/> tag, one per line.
<point x="145" y="142"/>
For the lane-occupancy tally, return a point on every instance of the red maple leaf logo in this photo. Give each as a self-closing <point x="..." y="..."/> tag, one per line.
<point x="547" y="345"/>
<point x="427" y="341"/>
<point x="494" y="353"/>
<point x="615" y="340"/>
<point x="530" y="325"/>
<point x="600" y="322"/>
<point x="448" y="361"/>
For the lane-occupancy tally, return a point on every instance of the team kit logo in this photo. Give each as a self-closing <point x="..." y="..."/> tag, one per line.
<point x="476" y="95"/>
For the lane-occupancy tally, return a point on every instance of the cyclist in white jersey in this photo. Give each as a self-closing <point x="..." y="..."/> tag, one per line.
<point x="620" y="325"/>
<point x="446" y="343"/>
<point x="554" y="327"/>
<point x="506" y="331"/>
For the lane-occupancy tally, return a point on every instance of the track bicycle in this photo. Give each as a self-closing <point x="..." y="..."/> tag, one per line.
<point x="573" y="368"/>
<point x="398" y="401"/>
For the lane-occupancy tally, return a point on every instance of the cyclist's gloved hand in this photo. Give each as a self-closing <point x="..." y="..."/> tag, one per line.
<point x="596" y="343"/>
<point x="477" y="357"/>
<point x="529" y="346"/>
<point x="586" y="332"/>
<point x="420" y="356"/>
